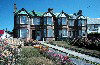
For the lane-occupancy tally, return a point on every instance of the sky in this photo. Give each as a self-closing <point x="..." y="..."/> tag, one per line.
<point x="90" y="8"/>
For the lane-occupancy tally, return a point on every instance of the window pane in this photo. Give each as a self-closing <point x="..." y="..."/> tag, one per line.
<point x="83" y="32"/>
<point x="24" y="19"/>
<point x="36" y="21"/>
<point x="83" y="22"/>
<point x="80" y="32"/>
<point x="45" y="20"/>
<point x="71" y="22"/>
<point x="60" y="33"/>
<point x="49" y="22"/>
<point x="64" y="32"/>
<point x="59" y="21"/>
<point x="50" y="33"/>
<point x="45" y="33"/>
<point x="64" y="22"/>
<point x="24" y="33"/>
<point x="38" y="35"/>
<point x="80" y="23"/>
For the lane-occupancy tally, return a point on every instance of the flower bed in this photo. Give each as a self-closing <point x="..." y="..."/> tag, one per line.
<point x="66" y="45"/>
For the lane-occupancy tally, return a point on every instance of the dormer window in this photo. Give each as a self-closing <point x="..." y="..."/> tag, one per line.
<point x="23" y="19"/>
<point x="36" y="21"/>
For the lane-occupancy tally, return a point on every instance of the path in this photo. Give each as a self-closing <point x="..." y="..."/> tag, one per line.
<point x="87" y="57"/>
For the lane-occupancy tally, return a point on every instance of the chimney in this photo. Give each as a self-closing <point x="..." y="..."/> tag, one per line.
<point x="15" y="8"/>
<point x="50" y="10"/>
<point x="80" y="12"/>
<point x="62" y="11"/>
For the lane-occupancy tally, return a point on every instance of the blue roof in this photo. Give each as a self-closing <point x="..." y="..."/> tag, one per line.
<point x="93" y="21"/>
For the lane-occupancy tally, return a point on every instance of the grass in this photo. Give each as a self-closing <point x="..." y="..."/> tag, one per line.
<point x="31" y="56"/>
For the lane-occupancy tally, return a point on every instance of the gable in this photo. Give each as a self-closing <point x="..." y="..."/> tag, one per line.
<point x="81" y="17"/>
<point x="23" y="12"/>
<point x="47" y="14"/>
<point x="62" y="15"/>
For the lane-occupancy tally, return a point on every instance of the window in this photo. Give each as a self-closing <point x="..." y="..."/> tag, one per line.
<point x="38" y="35"/>
<point x="64" y="32"/>
<point x="60" y="33"/>
<point x="36" y="21"/>
<point x="45" y="20"/>
<point x="83" y="33"/>
<point x="24" y="19"/>
<point x="83" y="22"/>
<point x="50" y="33"/>
<point x="45" y="33"/>
<point x="23" y="33"/>
<point x="59" y="21"/>
<point x="49" y="21"/>
<point x="69" y="33"/>
<point x="71" y="22"/>
<point x="79" y="22"/>
<point x="80" y="32"/>
<point x="96" y="26"/>
<point x="64" y="22"/>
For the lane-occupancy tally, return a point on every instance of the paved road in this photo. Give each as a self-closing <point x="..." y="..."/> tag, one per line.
<point x="87" y="57"/>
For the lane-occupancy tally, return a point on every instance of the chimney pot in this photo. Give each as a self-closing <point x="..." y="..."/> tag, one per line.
<point x="50" y="10"/>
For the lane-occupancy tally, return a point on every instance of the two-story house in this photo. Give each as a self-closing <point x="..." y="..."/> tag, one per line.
<point x="48" y="25"/>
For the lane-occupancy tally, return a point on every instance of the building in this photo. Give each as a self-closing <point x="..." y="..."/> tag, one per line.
<point x="93" y="25"/>
<point x="4" y="34"/>
<point x="48" y="25"/>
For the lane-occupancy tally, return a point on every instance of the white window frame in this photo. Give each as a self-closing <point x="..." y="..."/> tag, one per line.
<point x="33" y="21"/>
<point x="21" y="20"/>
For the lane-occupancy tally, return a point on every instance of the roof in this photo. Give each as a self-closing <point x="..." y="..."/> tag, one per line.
<point x="39" y="13"/>
<point x="93" y="21"/>
<point x="32" y="13"/>
<point x="1" y="31"/>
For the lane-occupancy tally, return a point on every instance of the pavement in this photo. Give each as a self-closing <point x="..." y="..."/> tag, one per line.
<point x="86" y="57"/>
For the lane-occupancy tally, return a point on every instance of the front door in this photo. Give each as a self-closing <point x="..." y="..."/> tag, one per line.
<point x="34" y="34"/>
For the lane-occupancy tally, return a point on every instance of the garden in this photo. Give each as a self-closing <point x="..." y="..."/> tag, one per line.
<point x="84" y="46"/>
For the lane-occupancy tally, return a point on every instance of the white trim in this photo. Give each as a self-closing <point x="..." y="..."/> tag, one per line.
<point x="21" y="20"/>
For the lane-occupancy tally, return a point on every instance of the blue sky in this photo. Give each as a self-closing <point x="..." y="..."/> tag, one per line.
<point x="91" y="8"/>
